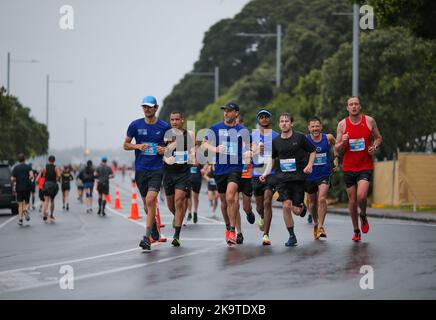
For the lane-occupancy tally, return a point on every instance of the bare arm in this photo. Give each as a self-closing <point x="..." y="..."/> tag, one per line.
<point x="376" y="135"/>
<point x="341" y="137"/>
<point x="309" y="167"/>
<point x="332" y="141"/>
<point x="128" y="145"/>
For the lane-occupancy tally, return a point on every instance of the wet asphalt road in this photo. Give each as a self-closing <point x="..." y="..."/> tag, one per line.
<point x="108" y="264"/>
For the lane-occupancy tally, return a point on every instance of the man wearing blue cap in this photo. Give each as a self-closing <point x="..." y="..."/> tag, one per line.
<point x="103" y="173"/>
<point x="149" y="147"/>
<point x="263" y="191"/>
<point x="225" y="139"/>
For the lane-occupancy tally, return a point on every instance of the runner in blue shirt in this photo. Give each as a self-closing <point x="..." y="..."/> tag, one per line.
<point x="148" y="133"/>
<point x="225" y="140"/>
<point x="263" y="191"/>
<point x="318" y="182"/>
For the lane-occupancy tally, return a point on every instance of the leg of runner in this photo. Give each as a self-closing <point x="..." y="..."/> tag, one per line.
<point x="52" y="206"/>
<point x="260" y="211"/>
<point x="215" y="202"/>
<point x="246" y="203"/>
<point x="172" y="207"/>
<point x="289" y="222"/>
<point x="150" y="201"/>
<point x="232" y="209"/>
<point x="20" y="212"/>
<point x="225" y="214"/>
<point x="267" y="212"/>
<point x="63" y="199"/>
<point x="313" y="209"/>
<point x="196" y="199"/>
<point x="352" y="208"/>
<point x="103" y="203"/>
<point x="100" y="200"/>
<point x="362" y="194"/>
<point x="180" y="203"/>
<point x="67" y="199"/>
<point x="323" y="189"/>
<point x="190" y="205"/>
<point x="45" y="210"/>
<point x="239" y="236"/>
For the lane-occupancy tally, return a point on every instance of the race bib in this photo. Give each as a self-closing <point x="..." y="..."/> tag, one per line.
<point x="320" y="159"/>
<point x="151" y="149"/>
<point x="181" y="157"/>
<point x="231" y="148"/>
<point x="288" y="165"/>
<point x="357" y="144"/>
<point x="194" y="170"/>
<point x="245" y="167"/>
<point x="212" y="181"/>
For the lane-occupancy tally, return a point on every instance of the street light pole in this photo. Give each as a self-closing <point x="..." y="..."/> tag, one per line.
<point x="278" y="36"/>
<point x="216" y="76"/>
<point x="279" y="54"/>
<point x="356" y="31"/>
<point x="47" y="96"/>
<point x="8" y="72"/>
<point x="355" y="90"/>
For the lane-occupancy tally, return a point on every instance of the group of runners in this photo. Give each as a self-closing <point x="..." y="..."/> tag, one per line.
<point x="25" y="180"/>
<point x="235" y="161"/>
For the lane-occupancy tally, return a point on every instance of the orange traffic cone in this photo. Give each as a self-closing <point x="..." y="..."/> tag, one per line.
<point x="108" y="198"/>
<point x="134" y="212"/>
<point x="159" y="225"/>
<point x="117" y="200"/>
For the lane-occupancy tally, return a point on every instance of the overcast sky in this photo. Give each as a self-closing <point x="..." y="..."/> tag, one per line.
<point x="118" y="52"/>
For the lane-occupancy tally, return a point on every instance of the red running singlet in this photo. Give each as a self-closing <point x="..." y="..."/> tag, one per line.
<point x="356" y="156"/>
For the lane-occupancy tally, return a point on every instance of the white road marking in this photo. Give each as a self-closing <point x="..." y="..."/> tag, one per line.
<point x="107" y="272"/>
<point x="7" y="221"/>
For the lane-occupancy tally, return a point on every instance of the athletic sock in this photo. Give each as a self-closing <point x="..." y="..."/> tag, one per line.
<point x="147" y="232"/>
<point x="232" y="229"/>
<point x="228" y="227"/>
<point x="177" y="232"/>
<point x="99" y="203"/>
<point x="104" y="204"/>
<point x="291" y="231"/>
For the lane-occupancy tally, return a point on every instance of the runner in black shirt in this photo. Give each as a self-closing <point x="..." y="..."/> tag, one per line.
<point x="22" y="175"/>
<point x="290" y="151"/>
<point x="177" y="175"/>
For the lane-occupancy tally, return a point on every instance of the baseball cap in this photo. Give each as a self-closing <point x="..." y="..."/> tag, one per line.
<point x="149" y="101"/>
<point x="104" y="158"/>
<point x="263" y="111"/>
<point x="231" y="105"/>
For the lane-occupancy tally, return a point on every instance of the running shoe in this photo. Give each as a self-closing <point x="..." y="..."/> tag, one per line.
<point x="44" y="218"/>
<point x="145" y="244"/>
<point x="265" y="240"/>
<point x="260" y="224"/>
<point x="292" y="241"/>
<point x="251" y="218"/>
<point x="189" y="216"/>
<point x="20" y="222"/>
<point x="27" y="215"/>
<point x="176" y="242"/>
<point x="99" y="211"/>
<point x="195" y="219"/>
<point x="303" y="211"/>
<point x="321" y="233"/>
<point x="315" y="231"/>
<point x="63" y="207"/>
<point x="68" y="207"/>
<point x="239" y="238"/>
<point x="227" y="235"/>
<point x="232" y="238"/>
<point x="309" y="219"/>
<point x="154" y="232"/>
<point x="356" y="236"/>
<point x="103" y="213"/>
<point x="365" y="224"/>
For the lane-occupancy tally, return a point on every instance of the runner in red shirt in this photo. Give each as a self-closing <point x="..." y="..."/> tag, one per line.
<point x="354" y="137"/>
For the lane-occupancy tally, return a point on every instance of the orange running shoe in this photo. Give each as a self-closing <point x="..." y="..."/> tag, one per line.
<point x="356" y="236"/>
<point x="365" y="224"/>
<point x="315" y="231"/>
<point x="227" y="235"/>
<point x="321" y="233"/>
<point x="232" y="238"/>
